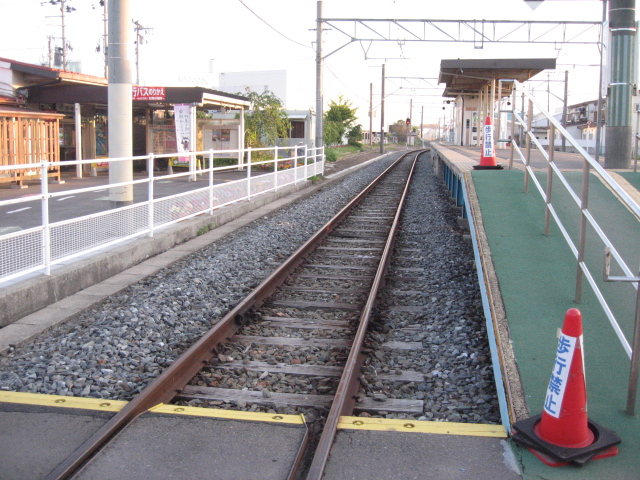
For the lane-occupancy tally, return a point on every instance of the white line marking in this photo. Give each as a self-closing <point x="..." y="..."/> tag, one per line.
<point x="102" y="190"/>
<point x="19" y="210"/>
<point x="66" y="198"/>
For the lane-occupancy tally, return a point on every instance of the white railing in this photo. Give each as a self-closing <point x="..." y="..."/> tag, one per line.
<point x="38" y="248"/>
<point x="587" y="226"/>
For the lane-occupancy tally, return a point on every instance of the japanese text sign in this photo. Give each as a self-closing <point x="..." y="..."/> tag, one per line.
<point x="560" y="375"/>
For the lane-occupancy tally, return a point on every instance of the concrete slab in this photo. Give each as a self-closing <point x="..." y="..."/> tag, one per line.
<point x="164" y="446"/>
<point x="372" y="455"/>
<point x="35" y="439"/>
<point x="16" y="334"/>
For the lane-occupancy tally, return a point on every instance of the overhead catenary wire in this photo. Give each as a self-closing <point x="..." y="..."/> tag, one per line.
<point x="272" y="27"/>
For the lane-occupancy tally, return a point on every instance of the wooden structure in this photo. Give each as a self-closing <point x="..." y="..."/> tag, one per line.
<point x="28" y="137"/>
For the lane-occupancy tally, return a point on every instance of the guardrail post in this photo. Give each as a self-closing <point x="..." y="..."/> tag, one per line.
<point x="547" y="211"/>
<point x="275" y="170"/>
<point x="46" y="230"/>
<point x="210" y="182"/>
<point x="635" y="361"/>
<point x="584" y="201"/>
<point x="248" y="174"/>
<point x="528" y="157"/>
<point x="150" y="162"/>
<point x="513" y="126"/>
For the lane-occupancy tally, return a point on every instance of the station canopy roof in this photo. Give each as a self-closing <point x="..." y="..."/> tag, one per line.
<point x="468" y="77"/>
<point x="49" y="85"/>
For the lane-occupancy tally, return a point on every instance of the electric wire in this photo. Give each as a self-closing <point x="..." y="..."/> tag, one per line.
<point x="271" y="27"/>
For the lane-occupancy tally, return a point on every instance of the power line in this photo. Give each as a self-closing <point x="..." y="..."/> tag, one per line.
<point x="271" y="27"/>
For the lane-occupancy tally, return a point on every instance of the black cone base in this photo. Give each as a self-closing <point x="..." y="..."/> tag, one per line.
<point x="488" y="167"/>
<point x="604" y="438"/>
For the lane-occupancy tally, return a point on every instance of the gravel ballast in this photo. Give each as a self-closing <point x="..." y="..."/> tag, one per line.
<point x="115" y="349"/>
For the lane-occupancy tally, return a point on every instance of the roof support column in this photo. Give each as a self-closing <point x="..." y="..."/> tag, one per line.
<point x="120" y="102"/>
<point x="618" y="135"/>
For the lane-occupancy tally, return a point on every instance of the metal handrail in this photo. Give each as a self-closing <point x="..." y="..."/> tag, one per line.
<point x="586" y="217"/>
<point x="305" y="164"/>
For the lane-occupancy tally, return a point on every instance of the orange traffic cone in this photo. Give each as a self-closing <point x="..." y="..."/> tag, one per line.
<point x="488" y="150"/>
<point x="563" y="434"/>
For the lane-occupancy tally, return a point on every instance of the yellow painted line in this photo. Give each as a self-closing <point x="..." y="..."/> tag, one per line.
<point x="441" y="428"/>
<point x="62" y="401"/>
<point x="229" y="414"/>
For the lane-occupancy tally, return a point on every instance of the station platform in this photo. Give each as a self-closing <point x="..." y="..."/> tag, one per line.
<point x="534" y="284"/>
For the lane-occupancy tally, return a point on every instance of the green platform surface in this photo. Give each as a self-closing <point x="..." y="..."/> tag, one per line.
<point x="537" y="278"/>
<point x="632" y="177"/>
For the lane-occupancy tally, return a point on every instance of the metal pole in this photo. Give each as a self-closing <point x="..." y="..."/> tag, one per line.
<point x="370" y="114"/>
<point x="498" y="122"/>
<point x="599" y="112"/>
<point x="528" y="157"/>
<point x="210" y="170"/>
<point x="77" y="115"/>
<point x="241" y="142"/>
<point x="421" y="123"/>
<point x="547" y="211"/>
<point x="46" y="228"/>
<point x="151" y="222"/>
<point x="382" y="115"/>
<point x="319" y="102"/>
<point x="635" y="149"/>
<point x="120" y="102"/>
<point x="564" y="107"/>
<point x="619" y="132"/>
<point x="513" y="126"/>
<point x="64" y="37"/>
<point x="105" y="41"/>
<point x="584" y="203"/>
<point x="635" y="362"/>
<point x="249" y="174"/>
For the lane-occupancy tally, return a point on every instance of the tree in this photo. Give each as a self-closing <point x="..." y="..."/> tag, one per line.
<point x="267" y="121"/>
<point x="355" y="135"/>
<point x="339" y="121"/>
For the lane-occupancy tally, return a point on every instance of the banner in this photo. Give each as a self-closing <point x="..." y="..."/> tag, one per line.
<point x="184" y="135"/>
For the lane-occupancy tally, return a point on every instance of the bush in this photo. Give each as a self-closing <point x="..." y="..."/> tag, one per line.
<point x="330" y="155"/>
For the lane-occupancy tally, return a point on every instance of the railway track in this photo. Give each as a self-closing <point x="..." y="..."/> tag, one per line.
<point x="301" y="342"/>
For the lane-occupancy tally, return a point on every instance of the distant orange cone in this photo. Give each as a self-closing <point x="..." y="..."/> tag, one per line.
<point x="488" y="151"/>
<point x="563" y="434"/>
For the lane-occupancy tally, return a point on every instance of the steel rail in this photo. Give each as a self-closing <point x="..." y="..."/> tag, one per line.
<point x="172" y="381"/>
<point x="344" y="398"/>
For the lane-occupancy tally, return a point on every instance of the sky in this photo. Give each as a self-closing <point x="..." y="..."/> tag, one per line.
<point x="201" y="38"/>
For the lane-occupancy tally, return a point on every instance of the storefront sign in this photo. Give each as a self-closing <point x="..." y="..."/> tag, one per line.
<point x="149" y="93"/>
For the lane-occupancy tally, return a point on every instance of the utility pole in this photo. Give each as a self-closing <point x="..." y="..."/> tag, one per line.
<point x="618" y="135"/>
<point x="319" y="100"/>
<point x="64" y="38"/>
<point x="382" y="115"/>
<point x="120" y="102"/>
<point x="370" y="114"/>
<point x="139" y="39"/>
<point x="50" y="51"/>
<point x="105" y="38"/>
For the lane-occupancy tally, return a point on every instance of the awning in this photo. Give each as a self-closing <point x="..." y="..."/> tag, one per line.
<point x="469" y="77"/>
<point x="98" y="94"/>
